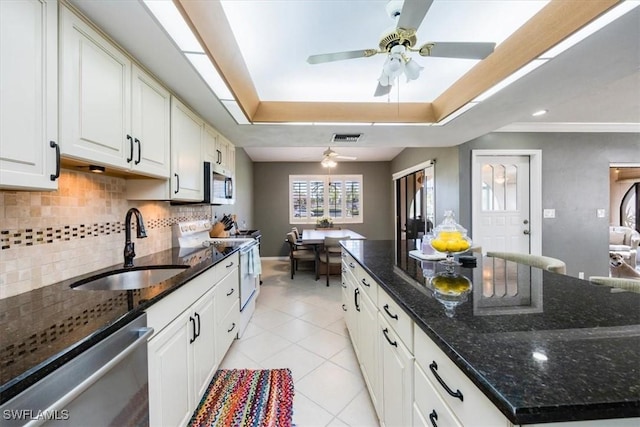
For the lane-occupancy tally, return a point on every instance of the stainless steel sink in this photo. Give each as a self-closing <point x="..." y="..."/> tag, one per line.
<point x="130" y="278"/>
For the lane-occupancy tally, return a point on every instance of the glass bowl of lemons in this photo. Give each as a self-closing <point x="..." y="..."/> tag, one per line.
<point x="450" y="238"/>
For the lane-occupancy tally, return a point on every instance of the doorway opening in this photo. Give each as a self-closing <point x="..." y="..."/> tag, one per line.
<point x="415" y="201"/>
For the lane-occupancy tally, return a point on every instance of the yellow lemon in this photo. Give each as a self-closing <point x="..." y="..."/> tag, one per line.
<point x="439" y="245"/>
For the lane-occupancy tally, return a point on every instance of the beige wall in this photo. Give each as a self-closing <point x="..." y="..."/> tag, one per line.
<point x="46" y="237"/>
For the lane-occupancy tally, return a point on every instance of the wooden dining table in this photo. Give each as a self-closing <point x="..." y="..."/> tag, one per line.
<point x="315" y="238"/>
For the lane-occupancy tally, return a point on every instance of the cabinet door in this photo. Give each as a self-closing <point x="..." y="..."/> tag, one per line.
<point x="150" y="109"/>
<point x="203" y="355"/>
<point x="397" y="377"/>
<point x="29" y="88"/>
<point x="210" y="146"/>
<point x="187" y="166"/>
<point x="170" y="391"/>
<point x="368" y="347"/>
<point x="95" y="96"/>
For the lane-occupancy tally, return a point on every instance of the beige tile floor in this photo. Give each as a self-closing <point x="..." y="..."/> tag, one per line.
<point x="298" y="324"/>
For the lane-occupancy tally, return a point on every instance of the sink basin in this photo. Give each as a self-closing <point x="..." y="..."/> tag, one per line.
<point x="130" y="278"/>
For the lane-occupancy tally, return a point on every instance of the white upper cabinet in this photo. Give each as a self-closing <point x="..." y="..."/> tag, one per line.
<point x="219" y="152"/>
<point x="29" y="88"/>
<point x="150" y="110"/>
<point x="187" y="166"/>
<point x="97" y="104"/>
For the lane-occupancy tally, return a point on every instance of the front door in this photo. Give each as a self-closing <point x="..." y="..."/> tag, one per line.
<point x="501" y="206"/>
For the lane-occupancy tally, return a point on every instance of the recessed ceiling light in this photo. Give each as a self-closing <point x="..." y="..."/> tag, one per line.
<point x="539" y="113"/>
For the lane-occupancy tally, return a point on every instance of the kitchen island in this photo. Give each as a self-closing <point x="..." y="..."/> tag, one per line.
<point x="542" y="347"/>
<point x="45" y="328"/>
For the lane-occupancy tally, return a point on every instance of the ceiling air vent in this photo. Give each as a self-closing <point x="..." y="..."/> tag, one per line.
<point x="346" y="137"/>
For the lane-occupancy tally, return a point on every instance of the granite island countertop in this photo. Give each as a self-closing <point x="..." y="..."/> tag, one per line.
<point x="45" y="328"/>
<point x="567" y="350"/>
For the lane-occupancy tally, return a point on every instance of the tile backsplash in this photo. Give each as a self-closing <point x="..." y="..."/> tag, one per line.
<point x="47" y="237"/>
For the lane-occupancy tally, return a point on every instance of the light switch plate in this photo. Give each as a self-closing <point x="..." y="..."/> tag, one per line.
<point x="600" y="213"/>
<point x="549" y="213"/>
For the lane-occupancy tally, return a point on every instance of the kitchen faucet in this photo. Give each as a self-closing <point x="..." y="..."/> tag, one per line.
<point x="129" y="252"/>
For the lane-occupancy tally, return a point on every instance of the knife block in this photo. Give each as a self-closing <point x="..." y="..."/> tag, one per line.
<point x="218" y="231"/>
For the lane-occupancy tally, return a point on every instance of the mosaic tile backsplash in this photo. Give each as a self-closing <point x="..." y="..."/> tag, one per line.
<point x="47" y="237"/>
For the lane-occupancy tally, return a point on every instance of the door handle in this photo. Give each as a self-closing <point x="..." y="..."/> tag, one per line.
<point x="55" y="176"/>
<point x="177" y="183"/>
<point x="526" y="232"/>
<point x="137" y="141"/>
<point x="130" y="139"/>
<point x="193" y="323"/>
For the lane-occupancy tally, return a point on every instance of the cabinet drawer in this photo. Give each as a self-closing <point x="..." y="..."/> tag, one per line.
<point x="226" y="266"/>
<point x="397" y="318"/>
<point x="428" y="407"/>
<point x="475" y="409"/>
<point x="160" y="314"/>
<point x="226" y="332"/>
<point x="226" y="297"/>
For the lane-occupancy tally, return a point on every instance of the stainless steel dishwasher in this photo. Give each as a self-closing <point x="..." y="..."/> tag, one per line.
<point x="104" y="386"/>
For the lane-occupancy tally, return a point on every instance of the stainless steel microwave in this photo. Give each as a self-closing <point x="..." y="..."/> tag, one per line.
<point x="218" y="188"/>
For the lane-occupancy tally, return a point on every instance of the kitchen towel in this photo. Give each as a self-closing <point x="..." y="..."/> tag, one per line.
<point x="246" y="397"/>
<point x="255" y="266"/>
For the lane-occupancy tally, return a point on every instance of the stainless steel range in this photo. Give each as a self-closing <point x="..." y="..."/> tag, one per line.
<point x="192" y="236"/>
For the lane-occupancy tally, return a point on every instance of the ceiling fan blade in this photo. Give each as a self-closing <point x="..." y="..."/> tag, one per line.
<point x="466" y="50"/>
<point x="382" y="90"/>
<point x="413" y="13"/>
<point x="346" y="157"/>
<point x="340" y="56"/>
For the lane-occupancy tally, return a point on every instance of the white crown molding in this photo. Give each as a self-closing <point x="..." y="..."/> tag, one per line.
<point x="571" y="127"/>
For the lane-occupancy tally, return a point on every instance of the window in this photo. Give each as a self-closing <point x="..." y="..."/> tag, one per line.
<point x="314" y="196"/>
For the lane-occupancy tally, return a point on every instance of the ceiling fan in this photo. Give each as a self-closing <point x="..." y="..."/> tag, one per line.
<point x="397" y="41"/>
<point x="329" y="158"/>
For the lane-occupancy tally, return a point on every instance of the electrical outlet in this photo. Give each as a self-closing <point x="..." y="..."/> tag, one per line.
<point x="581" y="275"/>
<point x="549" y="213"/>
<point x="600" y="213"/>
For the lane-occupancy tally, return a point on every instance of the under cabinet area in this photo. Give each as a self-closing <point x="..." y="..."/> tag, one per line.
<point x="29" y="73"/>
<point x="191" y="337"/>
<point x="112" y="113"/>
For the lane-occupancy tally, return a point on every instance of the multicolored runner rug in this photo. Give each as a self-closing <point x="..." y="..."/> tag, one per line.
<point x="247" y="398"/>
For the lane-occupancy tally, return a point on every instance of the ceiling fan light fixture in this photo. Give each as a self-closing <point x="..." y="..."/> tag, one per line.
<point x="328" y="163"/>
<point x="412" y="70"/>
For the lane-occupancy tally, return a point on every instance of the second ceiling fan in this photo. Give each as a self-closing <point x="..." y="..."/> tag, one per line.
<point x="398" y="41"/>
<point x="329" y="158"/>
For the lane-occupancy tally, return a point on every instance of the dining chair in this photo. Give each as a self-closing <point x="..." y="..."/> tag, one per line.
<point x="296" y="254"/>
<point x="298" y="237"/>
<point x="332" y="253"/>
<point x="547" y="263"/>
<point x="631" y="285"/>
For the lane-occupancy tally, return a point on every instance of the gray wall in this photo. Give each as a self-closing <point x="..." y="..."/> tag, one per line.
<point x="243" y="207"/>
<point x="271" y="200"/>
<point x="575" y="182"/>
<point x="447" y="189"/>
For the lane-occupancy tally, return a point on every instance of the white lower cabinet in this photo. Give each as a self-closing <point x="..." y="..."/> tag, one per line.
<point x="169" y="379"/>
<point x="396" y="362"/>
<point x="460" y="396"/>
<point x="192" y="333"/>
<point x="428" y="407"/>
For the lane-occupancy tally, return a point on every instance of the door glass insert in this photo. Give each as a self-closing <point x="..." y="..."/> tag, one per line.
<point x="499" y="187"/>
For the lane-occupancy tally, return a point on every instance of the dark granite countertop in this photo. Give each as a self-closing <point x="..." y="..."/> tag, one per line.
<point x="553" y="348"/>
<point x="45" y="328"/>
